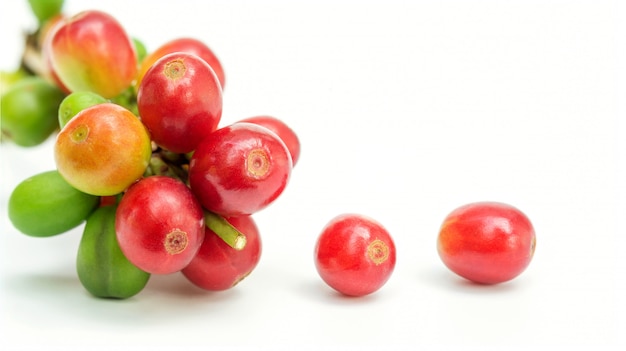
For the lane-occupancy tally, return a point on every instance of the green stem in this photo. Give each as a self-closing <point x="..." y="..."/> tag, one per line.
<point x="226" y="231"/>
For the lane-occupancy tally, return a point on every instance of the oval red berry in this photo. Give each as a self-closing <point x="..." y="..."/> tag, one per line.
<point x="355" y="255"/>
<point x="486" y="242"/>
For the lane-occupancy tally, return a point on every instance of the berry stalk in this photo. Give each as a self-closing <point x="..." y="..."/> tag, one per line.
<point x="226" y="231"/>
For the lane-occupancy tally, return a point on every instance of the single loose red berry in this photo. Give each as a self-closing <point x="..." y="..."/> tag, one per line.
<point x="355" y="255"/>
<point x="486" y="242"/>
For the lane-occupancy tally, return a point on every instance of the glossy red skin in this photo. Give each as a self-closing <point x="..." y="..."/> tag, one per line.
<point x="224" y="176"/>
<point x="284" y="132"/>
<point x="148" y="213"/>
<point x="188" y="45"/>
<point x="180" y="101"/>
<point x="92" y="51"/>
<point x="217" y="266"/>
<point x="345" y="255"/>
<point x="102" y="150"/>
<point x="486" y="242"/>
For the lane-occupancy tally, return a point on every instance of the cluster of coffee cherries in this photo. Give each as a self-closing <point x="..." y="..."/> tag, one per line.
<point x="142" y="159"/>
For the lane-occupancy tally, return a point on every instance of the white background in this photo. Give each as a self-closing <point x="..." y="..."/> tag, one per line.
<point x="405" y="111"/>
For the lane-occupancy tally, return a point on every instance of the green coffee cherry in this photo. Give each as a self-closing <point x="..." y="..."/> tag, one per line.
<point x="45" y="9"/>
<point x="102" y="267"/>
<point x="29" y="111"/>
<point x="76" y="102"/>
<point x="46" y="205"/>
